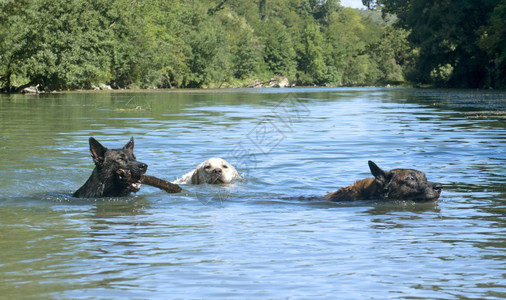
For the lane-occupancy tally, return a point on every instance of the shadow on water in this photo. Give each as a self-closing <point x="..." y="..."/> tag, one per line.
<point x="108" y="207"/>
<point x="369" y="206"/>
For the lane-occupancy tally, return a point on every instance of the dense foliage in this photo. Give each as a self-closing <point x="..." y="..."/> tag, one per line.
<point x="460" y="43"/>
<point x="70" y="44"/>
<point x="73" y="44"/>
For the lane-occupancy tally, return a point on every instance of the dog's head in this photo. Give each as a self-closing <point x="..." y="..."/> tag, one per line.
<point x="118" y="165"/>
<point x="405" y="184"/>
<point x="214" y="171"/>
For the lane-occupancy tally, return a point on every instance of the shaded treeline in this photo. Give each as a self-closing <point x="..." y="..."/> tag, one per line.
<point x="74" y="44"/>
<point x="458" y="43"/>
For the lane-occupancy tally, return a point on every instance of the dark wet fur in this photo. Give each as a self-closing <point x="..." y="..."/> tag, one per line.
<point x="117" y="172"/>
<point x="396" y="184"/>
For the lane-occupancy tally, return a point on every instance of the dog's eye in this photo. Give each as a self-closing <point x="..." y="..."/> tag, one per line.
<point x="225" y="167"/>
<point x="207" y="167"/>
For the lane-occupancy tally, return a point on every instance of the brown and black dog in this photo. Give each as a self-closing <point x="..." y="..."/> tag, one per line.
<point x="397" y="184"/>
<point x="117" y="173"/>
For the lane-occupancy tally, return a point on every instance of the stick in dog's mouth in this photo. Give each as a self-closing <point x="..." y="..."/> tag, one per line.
<point x="161" y="184"/>
<point x="126" y="176"/>
<point x="135" y="185"/>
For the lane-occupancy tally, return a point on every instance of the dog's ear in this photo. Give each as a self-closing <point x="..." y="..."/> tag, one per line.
<point x="97" y="151"/>
<point x="380" y="175"/>
<point x="130" y="145"/>
<point x="195" y="177"/>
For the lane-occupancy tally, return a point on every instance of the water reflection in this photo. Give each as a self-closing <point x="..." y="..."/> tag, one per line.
<point x="37" y="244"/>
<point x="119" y="207"/>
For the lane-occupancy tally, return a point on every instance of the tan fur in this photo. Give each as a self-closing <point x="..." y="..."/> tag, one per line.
<point x="361" y="189"/>
<point x="396" y="184"/>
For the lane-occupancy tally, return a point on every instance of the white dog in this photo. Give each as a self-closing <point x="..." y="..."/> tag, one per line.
<point x="212" y="171"/>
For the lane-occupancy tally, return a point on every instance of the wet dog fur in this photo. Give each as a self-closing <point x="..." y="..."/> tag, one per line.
<point x="117" y="173"/>
<point x="212" y="171"/>
<point x="396" y="184"/>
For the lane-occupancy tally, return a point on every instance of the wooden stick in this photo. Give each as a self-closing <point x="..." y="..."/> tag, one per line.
<point x="161" y="184"/>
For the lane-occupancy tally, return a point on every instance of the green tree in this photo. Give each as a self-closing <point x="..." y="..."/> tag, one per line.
<point x="130" y="51"/>
<point x="447" y="35"/>
<point x="246" y="55"/>
<point x="148" y="48"/>
<point x="310" y="56"/>
<point x="346" y="57"/>
<point x="279" y="53"/>
<point x="204" y="40"/>
<point x="14" y="16"/>
<point x="493" y="41"/>
<point x="69" y="42"/>
<point x="323" y="10"/>
<point x="392" y="54"/>
<point x="77" y="44"/>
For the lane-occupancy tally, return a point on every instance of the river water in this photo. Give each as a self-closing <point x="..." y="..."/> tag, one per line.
<point x="268" y="236"/>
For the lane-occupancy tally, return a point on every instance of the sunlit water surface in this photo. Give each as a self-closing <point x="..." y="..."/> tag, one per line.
<point x="268" y="236"/>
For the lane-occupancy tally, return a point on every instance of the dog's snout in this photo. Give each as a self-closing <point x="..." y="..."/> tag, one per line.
<point x="437" y="187"/>
<point x="217" y="171"/>
<point x="143" y="166"/>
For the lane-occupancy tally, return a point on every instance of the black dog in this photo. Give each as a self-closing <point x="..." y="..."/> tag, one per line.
<point x="117" y="172"/>
<point x="396" y="184"/>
